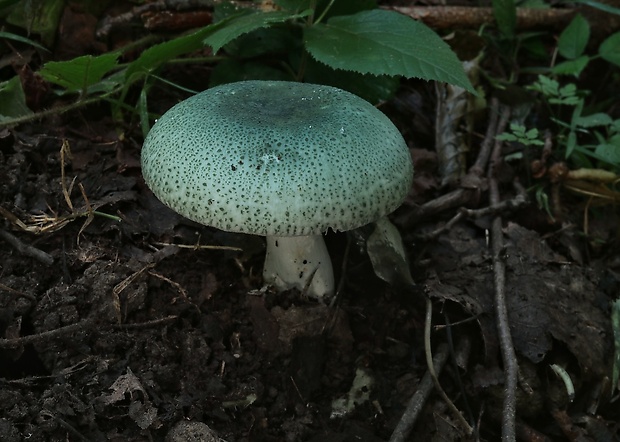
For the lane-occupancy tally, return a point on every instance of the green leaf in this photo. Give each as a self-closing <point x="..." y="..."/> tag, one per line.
<point x="571" y="142"/>
<point x="598" y="119"/>
<point x="19" y="38"/>
<point x="38" y="17"/>
<point x="81" y="72"/>
<point x="574" y="38"/>
<point x="294" y="5"/>
<point x="383" y="42"/>
<point x="274" y="40"/>
<point x="248" y="23"/>
<point x="609" y="152"/>
<point x="610" y="49"/>
<point x="371" y="88"/>
<point x="6" y="4"/>
<point x="571" y="67"/>
<point x="505" y="13"/>
<point x="155" y="56"/>
<point x="232" y="70"/>
<point x="12" y="100"/>
<point x="597" y="5"/>
<point x="546" y="86"/>
<point x="506" y="137"/>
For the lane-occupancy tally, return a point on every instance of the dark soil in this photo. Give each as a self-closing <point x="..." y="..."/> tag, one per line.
<point x="120" y="324"/>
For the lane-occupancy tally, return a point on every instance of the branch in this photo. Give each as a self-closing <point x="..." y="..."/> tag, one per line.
<point x="471" y="184"/>
<point x="446" y="17"/>
<point x="511" y="369"/>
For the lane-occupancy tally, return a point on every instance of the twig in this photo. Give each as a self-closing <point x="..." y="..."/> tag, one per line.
<point x="431" y="369"/>
<point x="55" y="110"/>
<point x="28" y="296"/>
<point x="85" y="324"/>
<point x="512" y="204"/>
<point x="27" y="250"/>
<point x="47" y="335"/>
<point x="471" y="183"/>
<point x="146" y="324"/>
<point x="200" y="247"/>
<point x="417" y="401"/>
<point x="499" y="279"/>
<point x="430" y="380"/>
<point x="461" y="17"/>
<point x="488" y="142"/>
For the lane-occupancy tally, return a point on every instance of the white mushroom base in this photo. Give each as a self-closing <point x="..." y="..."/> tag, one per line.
<point x="292" y="260"/>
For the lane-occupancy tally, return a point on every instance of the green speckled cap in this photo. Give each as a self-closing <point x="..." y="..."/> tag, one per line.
<point x="277" y="158"/>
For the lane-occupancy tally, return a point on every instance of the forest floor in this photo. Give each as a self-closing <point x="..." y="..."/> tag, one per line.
<point x="121" y="320"/>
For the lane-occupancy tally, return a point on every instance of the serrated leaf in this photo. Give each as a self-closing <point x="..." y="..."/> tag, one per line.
<point x="571" y="67"/>
<point x="12" y="100"/>
<point x="610" y="49"/>
<point x="382" y="42"/>
<point x="371" y="88"/>
<point x="248" y="23"/>
<point x="505" y="13"/>
<point x="574" y="38"/>
<point x="81" y="72"/>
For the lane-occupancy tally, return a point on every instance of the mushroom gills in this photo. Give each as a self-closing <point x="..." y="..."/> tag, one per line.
<point x="291" y="261"/>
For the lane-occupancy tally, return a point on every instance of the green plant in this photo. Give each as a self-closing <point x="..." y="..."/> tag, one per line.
<point x="600" y="134"/>
<point x="518" y="133"/>
<point x="572" y="44"/>
<point x="346" y="44"/>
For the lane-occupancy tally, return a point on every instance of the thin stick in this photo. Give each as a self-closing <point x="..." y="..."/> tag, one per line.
<point x="512" y="204"/>
<point x="48" y="335"/>
<point x="28" y="296"/>
<point x="489" y="138"/>
<point x="509" y="357"/>
<point x="431" y="369"/>
<point x="471" y="183"/>
<point x="466" y="17"/>
<point x="27" y="250"/>
<point x="85" y="324"/>
<point x="417" y="401"/>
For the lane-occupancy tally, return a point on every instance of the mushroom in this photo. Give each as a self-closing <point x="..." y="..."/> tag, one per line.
<point x="280" y="159"/>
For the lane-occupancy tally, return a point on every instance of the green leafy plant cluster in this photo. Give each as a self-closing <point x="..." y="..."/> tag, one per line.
<point x="572" y="45"/>
<point x="350" y="44"/>
<point x="587" y="136"/>
<point x="599" y="132"/>
<point x="518" y="133"/>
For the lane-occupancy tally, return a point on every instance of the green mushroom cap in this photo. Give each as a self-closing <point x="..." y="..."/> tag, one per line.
<point x="277" y="158"/>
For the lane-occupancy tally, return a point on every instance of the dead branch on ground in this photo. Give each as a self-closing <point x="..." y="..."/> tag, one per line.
<point x="472" y="184"/>
<point x="509" y="357"/>
<point x="447" y="17"/>
<point x="69" y="331"/>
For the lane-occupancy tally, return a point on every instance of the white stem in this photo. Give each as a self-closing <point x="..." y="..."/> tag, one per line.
<point x="292" y="260"/>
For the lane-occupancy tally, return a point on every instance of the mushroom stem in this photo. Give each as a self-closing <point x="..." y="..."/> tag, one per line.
<point x="291" y="261"/>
